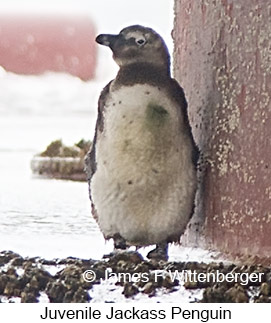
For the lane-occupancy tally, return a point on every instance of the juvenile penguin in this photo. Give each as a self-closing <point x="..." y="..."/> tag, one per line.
<point x="142" y="165"/>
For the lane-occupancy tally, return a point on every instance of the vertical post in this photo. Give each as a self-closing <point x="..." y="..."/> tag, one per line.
<point x="223" y="61"/>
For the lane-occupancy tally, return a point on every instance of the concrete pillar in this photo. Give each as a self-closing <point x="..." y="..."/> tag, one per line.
<point x="223" y="61"/>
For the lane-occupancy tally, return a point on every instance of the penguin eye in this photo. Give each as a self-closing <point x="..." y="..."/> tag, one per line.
<point x="140" y="41"/>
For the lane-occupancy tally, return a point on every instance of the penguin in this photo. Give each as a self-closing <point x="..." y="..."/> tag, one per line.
<point x="142" y="167"/>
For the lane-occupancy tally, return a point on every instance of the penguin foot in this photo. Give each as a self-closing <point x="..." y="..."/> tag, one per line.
<point x="119" y="242"/>
<point x="120" y="246"/>
<point x="160" y="252"/>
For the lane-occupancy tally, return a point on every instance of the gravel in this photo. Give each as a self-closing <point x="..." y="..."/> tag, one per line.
<point x="30" y="280"/>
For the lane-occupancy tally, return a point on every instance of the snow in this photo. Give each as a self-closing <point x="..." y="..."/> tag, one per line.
<point x="107" y="291"/>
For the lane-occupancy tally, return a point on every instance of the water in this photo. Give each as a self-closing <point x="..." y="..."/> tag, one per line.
<point x="45" y="217"/>
<point x="38" y="216"/>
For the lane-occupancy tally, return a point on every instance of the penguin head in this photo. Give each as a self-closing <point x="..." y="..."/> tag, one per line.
<point x="137" y="44"/>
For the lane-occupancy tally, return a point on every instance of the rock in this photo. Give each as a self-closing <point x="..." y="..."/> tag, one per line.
<point x="3" y="282"/>
<point x="143" y="267"/>
<point x="68" y="261"/>
<point x="132" y="257"/>
<point x="79" y="296"/>
<point x="72" y="277"/>
<point x="68" y="285"/>
<point x="53" y="149"/>
<point x="6" y="256"/>
<point x="191" y="284"/>
<point x="56" y="292"/>
<point x="130" y="290"/>
<point x="68" y="297"/>
<point x="36" y="277"/>
<point x="191" y="265"/>
<point x="28" y="298"/>
<point x="265" y="289"/>
<point x="48" y="262"/>
<point x="34" y="284"/>
<point x="11" y="272"/>
<point x="12" y="288"/>
<point x="60" y="161"/>
<point x="17" y="261"/>
<point x="157" y="281"/>
<point x="263" y="299"/>
<point x="169" y="283"/>
<point x="236" y="294"/>
<point x="31" y="289"/>
<point x="28" y="264"/>
<point x="173" y="265"/>
<point x="214" y="294"/>
<point x="149" y="288"/>
<point x="268" y="277"/>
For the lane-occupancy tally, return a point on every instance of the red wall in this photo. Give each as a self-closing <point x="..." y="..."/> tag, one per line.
<point x="33" y="45"/>
<point x="223" y="61"/>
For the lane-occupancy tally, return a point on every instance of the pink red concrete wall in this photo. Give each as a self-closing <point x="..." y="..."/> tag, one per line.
<point x="223" y="61"/>
<point x="33" y="45"/>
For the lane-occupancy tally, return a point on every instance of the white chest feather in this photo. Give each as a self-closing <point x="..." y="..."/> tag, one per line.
<point x="144" y="185"/>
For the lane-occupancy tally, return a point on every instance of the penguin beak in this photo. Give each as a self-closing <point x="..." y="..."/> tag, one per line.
<point x="107" y="40"/>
